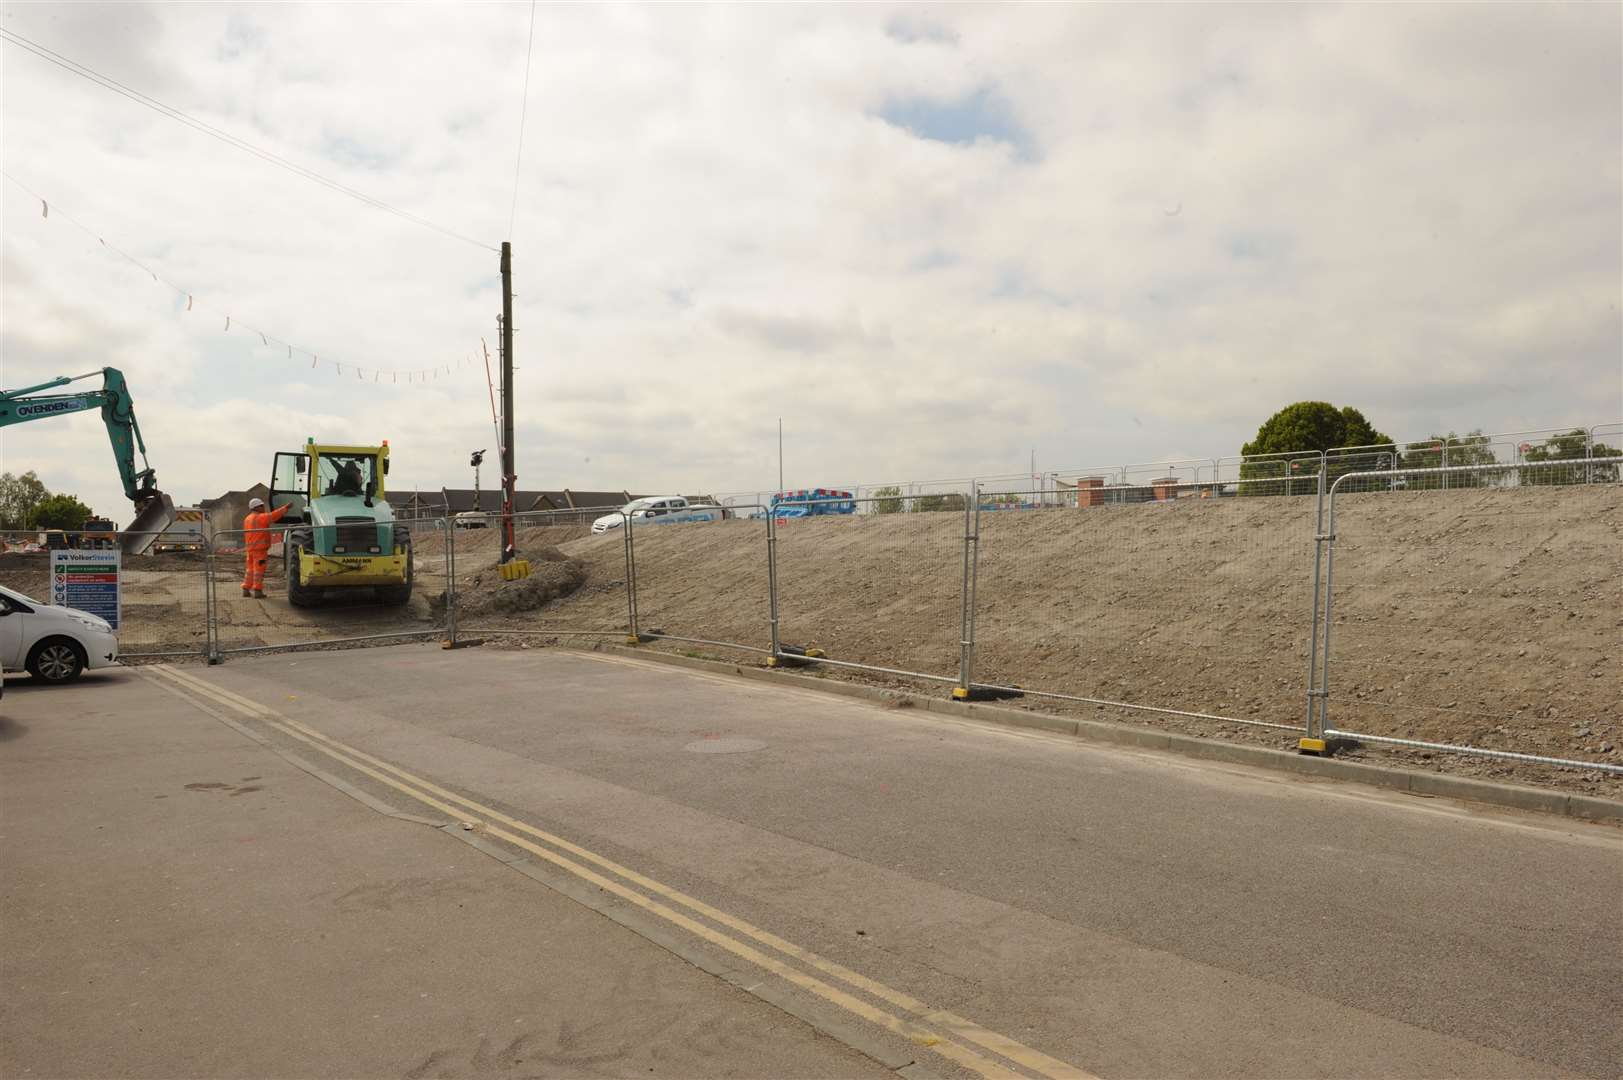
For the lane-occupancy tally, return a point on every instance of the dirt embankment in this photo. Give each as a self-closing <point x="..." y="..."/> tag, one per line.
<point x="1486" y="617"/>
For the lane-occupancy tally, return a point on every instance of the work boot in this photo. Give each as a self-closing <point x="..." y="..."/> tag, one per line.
<point x="246" y="591"/>
<point x="259" y="594"/>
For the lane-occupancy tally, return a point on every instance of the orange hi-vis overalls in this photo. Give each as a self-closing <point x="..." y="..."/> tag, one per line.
<point x="256" y="542"/>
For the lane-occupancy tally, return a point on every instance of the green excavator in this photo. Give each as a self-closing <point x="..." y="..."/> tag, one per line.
<point x="154" y="511"/>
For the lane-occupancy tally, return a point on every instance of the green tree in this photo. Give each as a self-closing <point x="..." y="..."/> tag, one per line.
<point x="1453" y="451"/>
<point x="59" y="512"/>
<point x="1572" y="446"/>
<point x="927" y="503"/>
<point x="1309" y="428"/>
<point x="890" y="500"/>
<point x="18" y="497"/>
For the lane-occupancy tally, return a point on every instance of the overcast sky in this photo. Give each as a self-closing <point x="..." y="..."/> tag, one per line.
<point x="932" y="239"/>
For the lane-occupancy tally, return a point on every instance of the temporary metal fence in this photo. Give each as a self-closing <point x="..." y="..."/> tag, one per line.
<point x="320" y="587"/>
<point x="896" y="606"/>
<point x="1166" y="604"/>
<point x="162" y="592"/>
<point x="487" y="605"/>
<point x="1184" y="598"/>
<point x="709" y="587"/>
<point x="1408" y="675"/>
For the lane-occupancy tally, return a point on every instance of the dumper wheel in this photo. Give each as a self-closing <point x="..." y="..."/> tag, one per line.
<point x="298" y="595"/>
<point x="399" y="595"/>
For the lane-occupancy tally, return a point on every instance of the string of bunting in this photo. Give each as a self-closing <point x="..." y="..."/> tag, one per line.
<point x="266" y="339"/>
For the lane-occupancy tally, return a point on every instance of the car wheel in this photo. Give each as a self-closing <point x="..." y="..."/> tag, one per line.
<point x="56" y="660"/>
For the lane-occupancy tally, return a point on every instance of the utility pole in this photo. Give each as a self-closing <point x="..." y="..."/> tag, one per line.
<point x="509" y="546"/>
<point x="780" y="453"/>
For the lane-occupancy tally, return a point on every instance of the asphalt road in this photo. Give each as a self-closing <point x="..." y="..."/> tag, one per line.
<point x="1129" y="913"/>
<point x="176" y="900"/>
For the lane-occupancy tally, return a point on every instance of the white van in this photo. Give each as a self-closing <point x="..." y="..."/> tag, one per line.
<point x="658" y="510"/>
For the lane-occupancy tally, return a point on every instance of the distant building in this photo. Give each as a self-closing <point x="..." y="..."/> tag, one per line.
<point x="226" y="513"/>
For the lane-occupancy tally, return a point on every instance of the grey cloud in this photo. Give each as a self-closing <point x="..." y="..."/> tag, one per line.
<point x="1410" y="209"/>
<point x="798" y="333"/>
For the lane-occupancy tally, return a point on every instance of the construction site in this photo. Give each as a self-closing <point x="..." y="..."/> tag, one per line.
<point x="909" y="542"/>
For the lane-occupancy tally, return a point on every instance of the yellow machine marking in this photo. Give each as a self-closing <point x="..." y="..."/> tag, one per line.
<point x="352" y="569"/>
<point x="928" y="1026"/>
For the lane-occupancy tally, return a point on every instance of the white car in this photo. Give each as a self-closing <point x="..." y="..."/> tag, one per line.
<point x="658" y="509"/>
<point x="54" y="644"/>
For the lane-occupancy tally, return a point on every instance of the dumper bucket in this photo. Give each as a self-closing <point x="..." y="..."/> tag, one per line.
<point x="152" y="517"/>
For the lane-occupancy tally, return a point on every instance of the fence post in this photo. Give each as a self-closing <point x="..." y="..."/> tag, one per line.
<point x="633" y="637"/>
<point x="966" y="635"/>
<point x="211" y="625"/>
<point x="1312" y="740"/>
<point x="449" y="525"/>
<point x="772" y="584"/>
<point x="1329" y="603"/>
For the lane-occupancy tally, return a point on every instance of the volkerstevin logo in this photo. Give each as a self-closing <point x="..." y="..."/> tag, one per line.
<point x="46" y="408"/>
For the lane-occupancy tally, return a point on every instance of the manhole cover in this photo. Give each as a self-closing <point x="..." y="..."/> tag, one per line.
<point x="724" y="746"/>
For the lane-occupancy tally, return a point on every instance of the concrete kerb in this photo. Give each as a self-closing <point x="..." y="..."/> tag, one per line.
<point x="1391" y="778"/>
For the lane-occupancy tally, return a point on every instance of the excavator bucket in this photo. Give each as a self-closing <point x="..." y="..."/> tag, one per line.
<point x="151" y="519"/>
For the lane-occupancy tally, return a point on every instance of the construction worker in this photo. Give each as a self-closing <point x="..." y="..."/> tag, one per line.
<point x="256" y="542"/>
<point x="348" y="481"/>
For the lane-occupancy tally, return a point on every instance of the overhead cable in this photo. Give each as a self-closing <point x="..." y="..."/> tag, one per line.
<point x="108" y="83"/>
<point x="266" y="339"/>
<point x="523" y="115"/>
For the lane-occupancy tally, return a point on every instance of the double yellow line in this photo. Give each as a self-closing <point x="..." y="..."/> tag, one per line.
<point x="953" y="1037"/>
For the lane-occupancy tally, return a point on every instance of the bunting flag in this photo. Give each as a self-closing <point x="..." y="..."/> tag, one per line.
<point x="412" y="376"/>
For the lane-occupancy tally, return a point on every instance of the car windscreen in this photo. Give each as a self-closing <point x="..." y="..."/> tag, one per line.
<point x="345" y="474"/>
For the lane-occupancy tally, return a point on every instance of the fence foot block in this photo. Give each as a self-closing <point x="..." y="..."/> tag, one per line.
<point x="1310" y="746"/>
<point x="464" y="643"/>
<point x="794" y="656"/>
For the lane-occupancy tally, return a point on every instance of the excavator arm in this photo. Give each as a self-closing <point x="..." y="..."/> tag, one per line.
<point x="154" y="511"/>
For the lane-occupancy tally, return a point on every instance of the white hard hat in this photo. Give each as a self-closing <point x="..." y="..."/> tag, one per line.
<point x="255" y="504"/>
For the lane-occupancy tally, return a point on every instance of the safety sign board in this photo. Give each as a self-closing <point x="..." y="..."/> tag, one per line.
<point x="88" y="581"/>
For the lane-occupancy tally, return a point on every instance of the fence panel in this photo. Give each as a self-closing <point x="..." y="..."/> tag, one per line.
<point x="1478" y="615"/>
<point x="162" y="592"/>
<point x="704" y="582"/>
<point x="577" y="580"/>
<point x="340" y="595"/>
<point x="881" y="587"/>
<point x="1185" y="601"/>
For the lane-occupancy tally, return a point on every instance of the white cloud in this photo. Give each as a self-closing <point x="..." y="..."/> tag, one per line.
<point x="1412" y="209"/>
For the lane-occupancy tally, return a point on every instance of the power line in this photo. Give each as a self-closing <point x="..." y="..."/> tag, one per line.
<point x="524" y="112"/>
<point x="108" y="83"/>
<point x="413" y="375"/>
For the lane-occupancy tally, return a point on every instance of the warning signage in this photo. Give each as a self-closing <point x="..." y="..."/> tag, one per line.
<point x="88" y="581"/>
